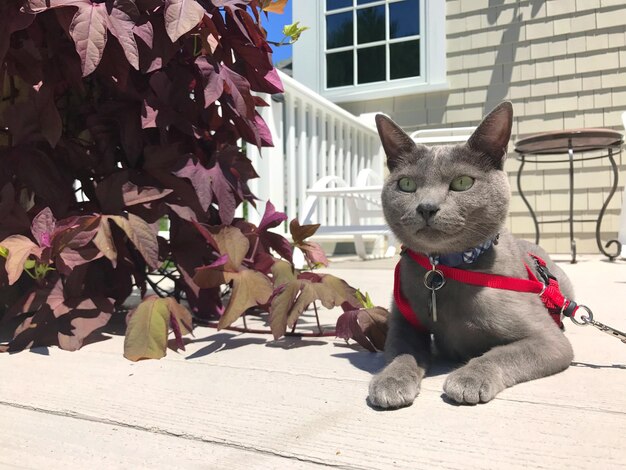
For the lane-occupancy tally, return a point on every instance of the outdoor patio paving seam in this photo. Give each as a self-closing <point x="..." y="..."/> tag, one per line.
<point x="184" y="436"/>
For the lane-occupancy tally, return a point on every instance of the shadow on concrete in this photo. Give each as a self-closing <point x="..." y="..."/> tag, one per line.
<point x="41" y="350"/>
<point x="364" y="360"/>
<point x="374" y="362"/>
<point x="116" y="325"/>
<point x="225" y="341"/>
<point x="221" y="342"/>
<point x="294" y="342"/>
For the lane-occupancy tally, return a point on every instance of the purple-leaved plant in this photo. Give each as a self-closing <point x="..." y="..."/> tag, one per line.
<point x="140" y="104"/>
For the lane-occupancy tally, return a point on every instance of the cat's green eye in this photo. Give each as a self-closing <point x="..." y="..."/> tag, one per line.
<point x="462" y="183"/>
<point x="407" y="185"/>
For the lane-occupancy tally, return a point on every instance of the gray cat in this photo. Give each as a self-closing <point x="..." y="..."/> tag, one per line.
<point x="451" y="199"/>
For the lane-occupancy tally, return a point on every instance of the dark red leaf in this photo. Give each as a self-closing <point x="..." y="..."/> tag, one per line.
<point x="133" y="194"/>
<point x="271" y="218"/>
<point x="314" y="253"/>
<point x="35" y="118"/>
<point x="181" y="16"/>
<point x="43" y="226"/>
<point x="145" y="32"/>
<point x="11" y="20"/>
<point x="89" y="31"/>
<point x="213" y="82"/>
<point x="122" y="26"/>
<point x="348" y="328"/>
<point x="367" y="326"/>
<point x="301" y="232"/>
<point x="200" y="179"/>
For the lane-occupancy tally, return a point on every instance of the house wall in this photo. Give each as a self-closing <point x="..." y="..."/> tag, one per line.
<point x="563" y="65"/>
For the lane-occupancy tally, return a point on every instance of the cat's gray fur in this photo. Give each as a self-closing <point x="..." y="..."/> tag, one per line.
<point x="506" y="337"/>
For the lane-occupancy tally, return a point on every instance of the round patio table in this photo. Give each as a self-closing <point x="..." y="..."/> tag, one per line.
<point x="543" y="147"/>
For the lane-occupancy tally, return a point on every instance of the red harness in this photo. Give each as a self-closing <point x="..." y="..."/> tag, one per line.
<point x="548" y="290"/>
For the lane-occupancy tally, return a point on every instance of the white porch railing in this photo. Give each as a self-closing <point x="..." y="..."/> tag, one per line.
<point x="313" y="138"/>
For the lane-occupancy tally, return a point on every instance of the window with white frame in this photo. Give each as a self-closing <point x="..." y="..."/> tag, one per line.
<point x="369" y="41"/>
<point x="367" y="49"/>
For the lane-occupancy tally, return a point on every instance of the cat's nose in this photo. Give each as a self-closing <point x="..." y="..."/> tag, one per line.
<point x="427" y="211"/>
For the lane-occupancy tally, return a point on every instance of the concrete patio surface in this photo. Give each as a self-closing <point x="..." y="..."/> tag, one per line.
<point x="241" y="401"/>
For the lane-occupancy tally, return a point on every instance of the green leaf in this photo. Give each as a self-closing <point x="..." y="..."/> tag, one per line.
<point x="250" y="289"/>
<point x="19" y="248"/>
<point x="146" y="333"/>
<point x="230" y="241"/>
<point x="294" y="297"/>
<point x="282" y="272"/>
<point x="294" y="30"/>
<point x="181" y="315"/>
<point x="365" y="300"/>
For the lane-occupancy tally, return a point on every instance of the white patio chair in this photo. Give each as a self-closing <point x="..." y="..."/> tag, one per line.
<point x="450" y="135"/>
<point x="363" y="206"/>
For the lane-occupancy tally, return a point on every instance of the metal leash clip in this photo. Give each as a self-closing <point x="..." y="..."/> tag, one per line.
<point x="588" y="320"/>
<point x="434" y="280"/>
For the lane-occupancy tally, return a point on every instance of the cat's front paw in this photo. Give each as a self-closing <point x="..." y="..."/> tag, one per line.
<point x="388" y="390"/>
<point x="469" y="385"/>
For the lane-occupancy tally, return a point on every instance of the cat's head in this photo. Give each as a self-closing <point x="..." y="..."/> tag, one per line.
<point x="451" y="198"/>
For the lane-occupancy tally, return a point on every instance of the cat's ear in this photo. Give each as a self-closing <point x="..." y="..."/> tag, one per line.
<point x="397" y="144"/>
<point x="492" y="135"/>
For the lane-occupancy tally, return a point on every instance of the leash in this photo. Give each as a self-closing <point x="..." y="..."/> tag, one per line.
<point x="547" y="288"/>
<point x="586" y="320"/>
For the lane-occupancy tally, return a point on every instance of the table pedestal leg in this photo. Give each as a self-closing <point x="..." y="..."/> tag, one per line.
<point x="521" y="193"/>
<point x="572" y="242"/>
<point x="603" y="210"/>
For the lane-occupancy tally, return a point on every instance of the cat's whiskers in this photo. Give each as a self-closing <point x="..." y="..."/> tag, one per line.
<point x="483" y="234"/>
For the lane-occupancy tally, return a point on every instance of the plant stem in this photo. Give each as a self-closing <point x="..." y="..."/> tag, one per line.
<point x="317" y="318"/>
<point x="155" y="287"/>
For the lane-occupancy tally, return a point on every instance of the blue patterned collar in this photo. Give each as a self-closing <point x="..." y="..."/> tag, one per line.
<point x="467" y="256"/>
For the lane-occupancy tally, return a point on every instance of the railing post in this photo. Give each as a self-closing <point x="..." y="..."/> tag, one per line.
<point x="290" y="157"/>
<point x="322" y="163"/>
<point x="313" y="138"/>
<point x="301" y="158"/>
<point x="270" y="184"/>
<point x="339" y="168"/>
<point x="311" y="167"/>
<point x="331" y="169"/>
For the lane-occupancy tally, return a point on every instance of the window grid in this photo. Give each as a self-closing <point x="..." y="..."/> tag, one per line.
<point x="355" y="46"/>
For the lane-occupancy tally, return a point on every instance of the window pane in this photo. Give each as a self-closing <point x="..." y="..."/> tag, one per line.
<point x="336" y="4"/>
<point x="362" y="2"/>
<point x="339" y="69"/>
<point x="339" y="30"/>
<point x="372" y="64"/>
<point x="405" y="59"/>
<point x="404" y="19"/>
<point x="371" y="24"/>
